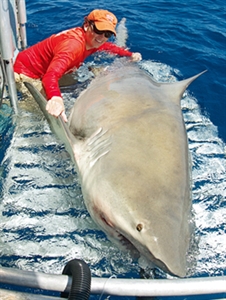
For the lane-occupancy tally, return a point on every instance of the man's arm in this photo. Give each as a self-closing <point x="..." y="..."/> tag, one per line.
<point x="66" y="56"/>
<point x="114" y="49"/>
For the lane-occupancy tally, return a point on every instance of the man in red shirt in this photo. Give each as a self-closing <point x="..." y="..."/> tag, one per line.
<point x="64" y="52"/>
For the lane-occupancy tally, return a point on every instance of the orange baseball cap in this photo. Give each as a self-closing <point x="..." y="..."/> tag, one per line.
<point x="103" y="19"/>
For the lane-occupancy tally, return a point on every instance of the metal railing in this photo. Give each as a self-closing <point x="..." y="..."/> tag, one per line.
<point x="119" y="287"/>
<point x="12" y="39"/>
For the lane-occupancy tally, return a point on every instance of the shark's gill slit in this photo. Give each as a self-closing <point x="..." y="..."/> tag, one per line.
<point x="105" y="220"/>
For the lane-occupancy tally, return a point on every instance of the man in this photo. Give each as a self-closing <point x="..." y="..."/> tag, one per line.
<point x="64" y="52"/>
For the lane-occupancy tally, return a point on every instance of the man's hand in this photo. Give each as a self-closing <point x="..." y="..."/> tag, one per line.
<point x="136" y="56"/>
<point x="55" y="107"/>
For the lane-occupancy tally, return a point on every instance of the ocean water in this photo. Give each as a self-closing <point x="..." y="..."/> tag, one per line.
<point x="44" y="222"/>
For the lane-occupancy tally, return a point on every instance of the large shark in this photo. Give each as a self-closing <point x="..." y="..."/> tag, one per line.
<point x="127" y="137"/>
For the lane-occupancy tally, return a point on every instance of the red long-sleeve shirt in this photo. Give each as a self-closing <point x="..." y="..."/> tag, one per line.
<point x="57" y="55"/>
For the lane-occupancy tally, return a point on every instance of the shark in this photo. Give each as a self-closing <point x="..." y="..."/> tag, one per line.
<point x="127" y="138"/>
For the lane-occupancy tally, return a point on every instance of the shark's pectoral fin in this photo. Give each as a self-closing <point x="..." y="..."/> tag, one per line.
<point x="57" y="125"/>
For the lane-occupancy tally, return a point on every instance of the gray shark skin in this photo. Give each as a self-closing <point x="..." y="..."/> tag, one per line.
<point x="127" y="138"/>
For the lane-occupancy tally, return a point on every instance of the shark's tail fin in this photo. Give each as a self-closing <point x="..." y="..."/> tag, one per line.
<point x="122" y="33"/>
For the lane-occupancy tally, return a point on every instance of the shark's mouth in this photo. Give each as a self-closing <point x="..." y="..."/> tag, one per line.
<point x="128" y="245"/>
<point x="123" y="242"/>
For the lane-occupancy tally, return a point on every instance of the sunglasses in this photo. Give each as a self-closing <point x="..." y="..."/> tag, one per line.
<point x="106" y="33"/>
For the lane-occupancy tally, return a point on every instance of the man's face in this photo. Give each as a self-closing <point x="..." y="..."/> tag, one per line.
<point x="94" y="40"/>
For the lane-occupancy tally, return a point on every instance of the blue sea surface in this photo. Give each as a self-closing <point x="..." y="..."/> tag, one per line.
<point x="44" y="222"/>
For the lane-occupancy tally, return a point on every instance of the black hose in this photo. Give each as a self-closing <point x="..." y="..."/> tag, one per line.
<point x="81" y="280"/>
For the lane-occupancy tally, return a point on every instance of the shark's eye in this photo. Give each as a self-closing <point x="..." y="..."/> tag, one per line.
<point x="139" y="227"/>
